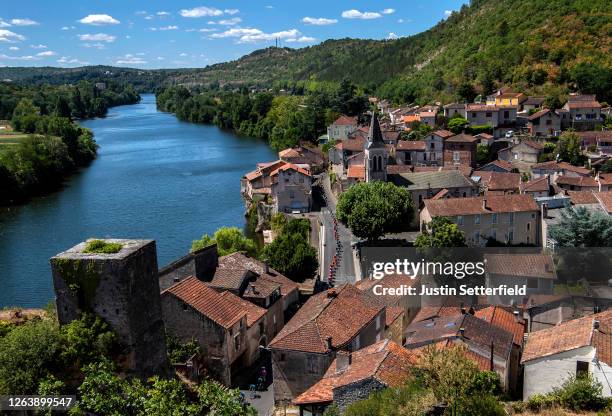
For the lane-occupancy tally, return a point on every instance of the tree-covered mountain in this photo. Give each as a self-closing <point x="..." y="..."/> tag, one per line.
<point x="538" y="46"/>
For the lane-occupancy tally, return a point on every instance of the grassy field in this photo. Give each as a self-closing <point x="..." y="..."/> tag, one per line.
<point x="11" y="138"/>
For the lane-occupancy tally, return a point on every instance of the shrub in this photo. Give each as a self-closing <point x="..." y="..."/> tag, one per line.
<point x="481" y="405"/>
<point x="581" y="393"/>
<point x="539" y="402"/>
<point x="102" y="247"/>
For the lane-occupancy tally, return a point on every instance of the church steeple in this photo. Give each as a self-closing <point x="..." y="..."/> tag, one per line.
<point x="375" y="138"/>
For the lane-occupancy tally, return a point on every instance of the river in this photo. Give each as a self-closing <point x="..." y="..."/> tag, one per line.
<point x="155" y="177"/>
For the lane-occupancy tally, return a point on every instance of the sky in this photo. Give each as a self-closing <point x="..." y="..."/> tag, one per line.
<point x="179" y="34"/>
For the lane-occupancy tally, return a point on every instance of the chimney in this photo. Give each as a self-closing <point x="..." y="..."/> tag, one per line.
<point x="329" y="343"/>
<point x="484" y="203"/>
<point x="462" y="331"/>
<point x="343" y="360"/>
<point x="253" y="289"/>
<point x="266" y="268"/>
<point x="596" y="324"/>
<point x="491" y="363"/>
<point x="463" y="310"/>
<point x="544" y="211"/>
<point x="331" y="293"/>
<point x="516" y="315"/>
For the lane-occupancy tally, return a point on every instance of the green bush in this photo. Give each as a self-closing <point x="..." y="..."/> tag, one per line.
<point x="481" y="405"/>
<point x="539" y="402"/>
<point x="102" y="247"/>
<point x="581" y="393"/>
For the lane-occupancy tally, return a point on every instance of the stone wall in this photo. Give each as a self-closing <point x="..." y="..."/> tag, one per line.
<point x="201" y="264"/>
<point x="350" y="393"/>
<point x="121" y="288"/>
<point x="295" y="371"/>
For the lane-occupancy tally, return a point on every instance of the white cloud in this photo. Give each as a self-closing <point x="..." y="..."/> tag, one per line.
<point x="356" y="14"/>
<point x="69" y="60"/>
<point x="318" y="21"/>
<point x="97" y="37"/>
<point x="448" y="12"/>
<point x="392" y="36"/>
<point x="14" y="48"/>
<point x="388" y="11"/>
<point x="230" y="22"/>
<point x="160" y="58"/>
<point x="4" y="24"/>
<point x="171" y="27"/>
<point x="201" y="12"/>
<point x="130" y="59"/>
<point x="67" y="27"/>
<point x="236" y="33"/>
<point x="269" y="7"/>
<point x="20" y="58"/>
<point x="96" y="45"/>
<point x="163" y="14"/>
<point x="10" y="37"/>
<point x="46" y="54"/>
<point x="231" y="12"/>
<point x="205" y="30"/>
<point x="141" y="13"/>
<point x="258" y="37"/>
<point x="183" y="54"/>
<point x="39" y="46"/>
<point x="301" y="39"/>
<point x="99" y="20"/>
<point x="23" y="22"/>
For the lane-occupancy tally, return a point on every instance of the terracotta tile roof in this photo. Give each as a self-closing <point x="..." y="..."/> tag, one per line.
<point x="535" y="185"/>
<point x="500" y="163"/>
<point x="427" y="114"/>
<point x="411" y="118"/>
<point x="291" y="166"/>
<point x="538" y="300"/>
<point x="534" y="100"/>
<point x="499" y="181"/>
<point x="253" y="312"/>
<point x="504" y="319"/>
<point x="480" y="205"/>
<point x="559" y="166"/>
<point x="354" y="145"/>
<point x="481" y="107"/>
<point x="462" y="138"/>
<point x="454" y="106"/>
<point x="385" y="361"/>
<point x="594" y="135"/>
<point x="486" y="136"/>
<point x="240" y="261"/>
<point x="339" y="313"/>
<point x="411" y="145"/>
<point x="443" y="133"/>
<point x="583" y="104"/>
<point x="582" y="197"/>
<point x="219" y="308"/>
<point x="582" y="181"/>
<point x="397" y="169"/>
<point x="440" y="194"/>
<point x="346" y="121"/>
<point x="521" y="265"/>
<point x="290" y="152"/>
<point x="356" y="171"/>
<point x="570" y="335"/>
<point x="605" y="199"/>
<point x="532" y="144"/>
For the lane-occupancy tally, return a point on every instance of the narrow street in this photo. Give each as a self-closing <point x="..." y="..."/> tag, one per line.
<point x="337" y="239"/>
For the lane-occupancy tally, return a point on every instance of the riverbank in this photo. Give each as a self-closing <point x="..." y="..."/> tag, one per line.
<point x="155" y="177"/>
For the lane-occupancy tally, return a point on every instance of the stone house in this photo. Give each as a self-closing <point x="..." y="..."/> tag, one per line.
<point x="572" y="348"/>
<point x="428" y="118"/>
<point x="532" y="103"/>
<point x="341" y="318"/>
<point x="342" y="128"/>
<point x="534" y="271"/>
<point x="257" y="185"/>
<point x="547" y="311"/>
<point x="482" y="114"/>
<point x="497" y="183"/>
<point x="554" y="169"/>
<point x="425" y="185"/>
<point x="291" y="189"/>
<point x="537" y="188"/>
<point x="601" y="140"/>
<point x="526" y="151"/>
<point x="221" y="323"/>
<point x="353" y="376"/>
<point x="508" y="218"/>
<point x="460" y="150"/>
<point x="544" y="123"/>
<point x="454" y="109"/>
<point x="410" y="152"/>
<point x="583" y="111"/>
<point x="497" y="166"/>
<point x="434" y="147"/>
<point x="303" y="155"/>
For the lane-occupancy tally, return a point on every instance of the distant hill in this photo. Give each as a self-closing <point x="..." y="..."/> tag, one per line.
<point x="539" y="46"/>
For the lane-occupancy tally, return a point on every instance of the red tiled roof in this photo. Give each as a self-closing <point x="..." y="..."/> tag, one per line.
<point x="397" y="169"/>
<point x="346" y="121"/>
<point x="293" y="167"/>
<point x="571" y="335"/>
<point x="521" y="265"/>
<point x="583" y="104"/>
<point x="219" y="308"/>
<point x="411" y="145"/>
<point x="500" y="163"/>
<point x="496" y="181"/>
<point x="538" y="114"/>
<point x="477" y="205"/>
<point x="535" y="185"/>
<point x="354" y="145"/>
<point x="385" y="362"/>
<point x="253" y="312"/>
<point x="605" y="199"/>
<point x="443" y="133"/>
<point x="558" y="166"/>
<point x="356" y="172"/>
<point x="462" y="138"/>
<point x="581" y="197"/>
<point x="583" y="181"/>
<point x="339" y="313"/>
<point x="503" y="319"/>
<point x="440" y="194"/>
<point x="532" y="144"/>
<point x="481" y="107"/>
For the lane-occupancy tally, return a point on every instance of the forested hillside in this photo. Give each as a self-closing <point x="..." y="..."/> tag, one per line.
<point x="536" y="45"/>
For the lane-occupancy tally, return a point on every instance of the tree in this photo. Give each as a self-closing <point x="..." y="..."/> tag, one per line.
<point x="291" y="254"/>
<point x="229" y="240"/>
<point x="440" y="232"/>
<point x="457" y="124"/>
<point x="466" y="92"/>
<point x="374" y="209"/>
<point x="580" y="227"/>
<point x="483" y="154"/>
<point x="568" y="148"/>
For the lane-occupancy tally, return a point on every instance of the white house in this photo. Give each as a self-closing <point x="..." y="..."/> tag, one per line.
<point x="572" y="348"/>
<point x="342" y="128"/>
<point x="292" y="188"/>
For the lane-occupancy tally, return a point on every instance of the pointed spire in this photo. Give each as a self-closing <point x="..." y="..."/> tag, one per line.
<point x="375" y="138"/>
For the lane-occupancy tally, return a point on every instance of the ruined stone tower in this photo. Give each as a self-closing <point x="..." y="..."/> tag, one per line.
<point x="122" y="288"/>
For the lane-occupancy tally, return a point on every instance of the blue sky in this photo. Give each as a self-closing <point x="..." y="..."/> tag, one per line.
<point x="170" y="34"/>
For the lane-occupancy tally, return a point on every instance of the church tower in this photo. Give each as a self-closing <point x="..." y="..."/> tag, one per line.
<point x="375" y="154"/>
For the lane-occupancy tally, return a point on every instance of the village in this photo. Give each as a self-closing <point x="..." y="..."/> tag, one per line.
<point x="300" y="347"/>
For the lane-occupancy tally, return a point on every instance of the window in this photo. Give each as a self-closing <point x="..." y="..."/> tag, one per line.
<point x="237" y="342"/>
<point x="357" y="343"/>
<point x="510" y="236"/>
<point x="511" y="217"/>
<point x="476" y="237"/>
<point x="506" y="114"/>
<point x="494" y="235"/>
<point x="548" y="122"/>
<point x="456" y="157"/>
<point x="378" y="322"/>
<point x="261" y="328"/>
<point x="459" y="220"/>
<point x="473" y="115"/>
<point x="432" y="145"/>
<point x="494" y="218"/>
<point x="477" y="219"/>
<point x="489" y="114"/>
<point x="582" y="368"/>
<point x="311" y="364"/>
<point x="528" y="226"/>
<point x="532" y="283"/>
<point x="291" y="195"/>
